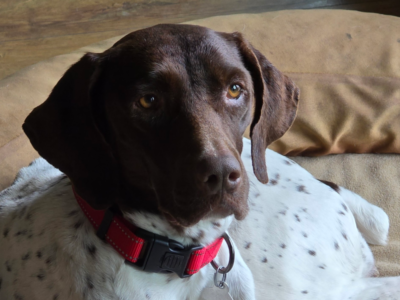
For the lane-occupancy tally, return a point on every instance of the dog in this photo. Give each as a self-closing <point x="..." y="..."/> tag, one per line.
<point x="143" y="143"/>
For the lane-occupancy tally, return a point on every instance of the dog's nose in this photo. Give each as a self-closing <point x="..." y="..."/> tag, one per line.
<point x="217" y="173"/>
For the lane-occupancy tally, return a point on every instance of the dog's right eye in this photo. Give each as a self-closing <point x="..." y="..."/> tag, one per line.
<point x="147" y="101"/>
<point x="234" y="91"/>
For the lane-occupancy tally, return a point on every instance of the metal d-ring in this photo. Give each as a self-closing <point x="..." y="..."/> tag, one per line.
<point x="219" y="283"/>
<point x="224" y="270"/>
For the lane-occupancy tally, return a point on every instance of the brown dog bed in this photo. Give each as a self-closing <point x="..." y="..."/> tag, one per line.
<point x="347" y="65"/>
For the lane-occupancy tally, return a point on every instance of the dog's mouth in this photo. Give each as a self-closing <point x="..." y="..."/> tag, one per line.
<point x="184" y="200"/>
<point x="190" y="216"/>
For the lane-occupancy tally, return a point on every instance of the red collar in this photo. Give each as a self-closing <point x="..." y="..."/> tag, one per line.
<point x="146" y="250"/>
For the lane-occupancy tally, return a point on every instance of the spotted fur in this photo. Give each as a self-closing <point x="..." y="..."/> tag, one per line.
<point x="301" y="240"/>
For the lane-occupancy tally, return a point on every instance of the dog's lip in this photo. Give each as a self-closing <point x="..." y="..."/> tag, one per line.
<point x="221" y="208"/>
<point x="172" y="219"/>
<point x="179" y="222"/>
<point x="220" y="213"/>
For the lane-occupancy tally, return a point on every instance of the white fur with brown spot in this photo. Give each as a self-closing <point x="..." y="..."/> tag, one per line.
<point x="301" y="240"/>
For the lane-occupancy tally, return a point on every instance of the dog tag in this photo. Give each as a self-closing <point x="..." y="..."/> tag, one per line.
<point x="226" y="293"/>
<point x="212" y="293"/>
<point x="222" y="293"/>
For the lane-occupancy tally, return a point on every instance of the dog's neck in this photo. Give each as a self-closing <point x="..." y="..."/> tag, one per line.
<point x="204" y="232"/>
<point x="151" y="239"/>
<point x="148" y="217"/>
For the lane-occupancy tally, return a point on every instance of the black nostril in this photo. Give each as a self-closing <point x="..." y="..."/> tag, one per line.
<point x="212" y="179"/>
<point x="213" y="183"/>
<point x="234" y="176"/>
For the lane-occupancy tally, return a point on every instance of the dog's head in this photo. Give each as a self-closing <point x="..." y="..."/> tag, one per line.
<point x="155" y="123"/>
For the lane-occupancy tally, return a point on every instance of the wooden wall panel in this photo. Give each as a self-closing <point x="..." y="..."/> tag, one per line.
<point x="34" y="30"/>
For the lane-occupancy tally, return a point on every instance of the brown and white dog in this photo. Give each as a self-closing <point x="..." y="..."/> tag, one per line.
<point x="152" y="128"/>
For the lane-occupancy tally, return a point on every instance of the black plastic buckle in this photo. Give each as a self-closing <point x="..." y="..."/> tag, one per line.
<point x="162" y="255"/>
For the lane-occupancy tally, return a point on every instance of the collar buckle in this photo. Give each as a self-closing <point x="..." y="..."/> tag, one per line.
<point x="162" y="255"/>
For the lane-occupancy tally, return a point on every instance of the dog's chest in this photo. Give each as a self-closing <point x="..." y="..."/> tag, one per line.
<point x="49" y="251"/>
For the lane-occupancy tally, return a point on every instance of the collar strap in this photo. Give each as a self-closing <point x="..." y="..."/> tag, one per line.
<point x="146" y="250"/>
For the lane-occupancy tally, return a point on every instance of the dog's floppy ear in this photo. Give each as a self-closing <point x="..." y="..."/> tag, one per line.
<point x="276" y="99"/>
<point x="63" y="130"/>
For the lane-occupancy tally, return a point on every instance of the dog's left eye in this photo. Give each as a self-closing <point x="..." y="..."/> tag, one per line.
<point x="147" y="101"/>
<point x="234" y="91"/>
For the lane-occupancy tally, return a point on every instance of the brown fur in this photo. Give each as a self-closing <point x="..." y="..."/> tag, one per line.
<point x="334" y="186"/>
<point x="117" y="153"/>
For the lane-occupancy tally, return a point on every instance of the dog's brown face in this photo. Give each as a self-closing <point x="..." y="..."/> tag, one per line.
<point x="156" y="122"/>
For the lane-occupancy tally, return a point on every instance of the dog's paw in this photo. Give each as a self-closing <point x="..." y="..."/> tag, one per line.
<point x="372" y="221"/>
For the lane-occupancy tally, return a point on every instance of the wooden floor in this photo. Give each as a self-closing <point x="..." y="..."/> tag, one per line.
<point x="33" y="30"/>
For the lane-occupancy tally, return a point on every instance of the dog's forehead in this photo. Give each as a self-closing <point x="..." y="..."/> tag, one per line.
<point x="179" y="45"/>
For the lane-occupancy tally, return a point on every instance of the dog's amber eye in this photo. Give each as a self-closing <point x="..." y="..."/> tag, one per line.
<point x="147" y="101"/>
<point x="234" y="91"/>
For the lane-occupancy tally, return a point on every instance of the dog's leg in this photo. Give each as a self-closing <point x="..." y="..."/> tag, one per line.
<point x="239" y="279"/>
<point x="372" y="221"/>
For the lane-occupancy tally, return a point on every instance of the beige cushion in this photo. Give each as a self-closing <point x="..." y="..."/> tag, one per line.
<point x="347" y="65"/>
